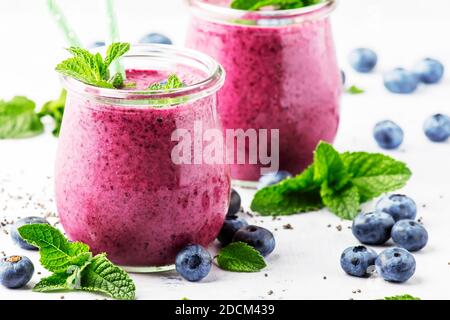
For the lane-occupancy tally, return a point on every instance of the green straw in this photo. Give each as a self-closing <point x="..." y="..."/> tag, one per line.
<point x="61" y="20"/>
<point x="113" y="33"/>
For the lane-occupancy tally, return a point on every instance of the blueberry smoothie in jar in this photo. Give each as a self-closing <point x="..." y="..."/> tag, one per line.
<point x="118" y="187"/>
<point x="282" y="74"/>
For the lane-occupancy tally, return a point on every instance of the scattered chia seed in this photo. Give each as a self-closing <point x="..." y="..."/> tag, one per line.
<point x="329" y="226"/>
<point x="288" y="226"/>
<point x="339" y="227"/>
<point x="270" y="292"/>
<point x="324" y="277"/>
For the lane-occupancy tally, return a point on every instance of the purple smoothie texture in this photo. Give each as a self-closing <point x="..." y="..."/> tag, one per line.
<point x="278" y="77"/>
<point x="117" y="188"/>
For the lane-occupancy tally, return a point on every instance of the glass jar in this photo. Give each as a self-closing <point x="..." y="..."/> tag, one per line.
<point x="119" y="188"/>
<point x="282" y="73"/>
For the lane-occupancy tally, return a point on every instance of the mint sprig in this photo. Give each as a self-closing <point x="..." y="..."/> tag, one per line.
<point x="172" y="82"/>
<point x="18" y="119"/>
<point x="55" y="110"/>
<point x="402" y="297"/>
<point x="253" y="5"/>
<point x="92" y="68"/>
<point x="240" y="257"/>
<point x="73" y="266"/>
<point x="340" y="182"/>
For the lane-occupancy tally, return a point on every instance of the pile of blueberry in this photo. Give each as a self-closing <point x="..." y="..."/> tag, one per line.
<point x="194" y="262"/>
<point x="393" y="217"/>
<point x="16" y="271"/>
<point x="153" y="37"/>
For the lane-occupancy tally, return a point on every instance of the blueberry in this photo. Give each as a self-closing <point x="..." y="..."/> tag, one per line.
<point x="15" y="271"/>
<point x="373" y="227"/>
<point x="235" y="203"/>
<point x="437" y="127"/>
<point x="273" y="178"/>
<point x="343" y="77"/>
<point x="259" y="238"/>
<point x="388" y="134"/>
<point x="155" y="38"/>
<point x="17" y="239"/>
<point x="429" y="70"/>
<point x="400" y="81"/>
<point x="398" y="206"/>
<point x="410" y="235"/>
<point x="231" y="225"/>
<point x="363" y="59"/>
<point x="97" y="44"/>
<point x="193" y="262"/>
<point x="356" y="260"/>
<point x="395" y="265"/>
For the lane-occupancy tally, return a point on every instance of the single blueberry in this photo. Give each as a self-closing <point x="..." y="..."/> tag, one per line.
<point x="259" y="238"/>
<point x="410" y="235"/>
<point x="400" y="80"/>
<point x="155" y="38"/>
<point x="15" y="271"/>
<point x="356" y="260"/>
<point x="343" y="77"/>
<point x="193" y="263"/>
<point x="437" y="127"/>
<point x="97" y="44"/>
<point x="235" y="203"/>
<point x="429" y="70"/>
<point x="395" y="265"/>
<point x="398" y="206"/>
<point x="17" y="239"/>
<point x="388" y="134"/>
<point x="231" y="225"/>
<point x="273" y="178"/>
<point x="373" y="227"/>
<point x="363" y="59"/>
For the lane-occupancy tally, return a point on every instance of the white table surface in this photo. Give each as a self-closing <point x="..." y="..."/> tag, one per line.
<point x="401" y="33"/>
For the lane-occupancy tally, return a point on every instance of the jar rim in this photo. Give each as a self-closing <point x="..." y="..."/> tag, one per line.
<point x="322" y="9"/>
<point x="213" y="81"/>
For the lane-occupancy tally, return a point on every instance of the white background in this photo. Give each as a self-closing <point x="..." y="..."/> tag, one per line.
<point x="401" y="31"/>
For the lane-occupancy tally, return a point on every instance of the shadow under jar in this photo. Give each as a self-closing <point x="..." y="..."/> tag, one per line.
<point x="118" y="188"/>
<point x="282" y="74"/>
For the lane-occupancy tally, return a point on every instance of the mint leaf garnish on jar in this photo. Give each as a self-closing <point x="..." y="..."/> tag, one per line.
<point x="254" y="5"/>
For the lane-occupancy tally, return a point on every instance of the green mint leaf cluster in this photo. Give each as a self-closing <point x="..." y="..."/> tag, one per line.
<point x="18" y="119"/>
<point x="402" y="297"/>
<point x="340" y="182"/>
<point x="73" y="266"/>
<point x="240" y="257"/>
<point x="55" y="110"/>
<point x="92" y="68"/>
<point x="172" y="82"/>
<point x="355" y="90"/>
<point x="253" y="5"/>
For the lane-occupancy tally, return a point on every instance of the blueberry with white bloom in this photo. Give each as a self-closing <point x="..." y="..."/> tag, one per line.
<point x="235" y="203"/>
<point x="388" y="134"/>
<point x="356" y="260"/>
<point x="395" y="265"/>
<point x="15" y="271"/>
<point x="193" y="262"/>
<point x="437" y="127"/>
<point x="400" y="81"/>
<point x="230" y="226"/>
<point x="398" y="206"/>
<point x="372" y="227"/>
<point x="97" y="44"/>
<point x="273" y="178"/>
<point x="363" y="59"/>
<point x="15" y="236"/>
<point x="410" y="235"/>
<point x="343" y="77"/>
<point x="259" y="238"/>
<point x="429" y="70"/>
<point x="155" y="38"/>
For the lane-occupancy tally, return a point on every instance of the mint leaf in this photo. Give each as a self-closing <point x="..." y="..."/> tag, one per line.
<point x="18" y="119"/>
<point x="55" y="282"/>
<point x="374" y="173"/>
<point x="402" y="297"/>
<point x="103" y="276"/>
<point x="240" y="257"/>
<point x="328" y="167"/>
<point x="57" y="253"/>
<point x="55" y="110"/>
<point x="299" y="194"/>
<point x="343" y="203"/>
<point x="355" y="90"/>
<point x="91" y="68"/>
<point x="172" y="82"/>
<point x="254" y="5"/>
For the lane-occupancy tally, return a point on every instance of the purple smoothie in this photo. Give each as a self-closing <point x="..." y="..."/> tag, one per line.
<point x="281" y="76"/>
<point x="117" y="188"/>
